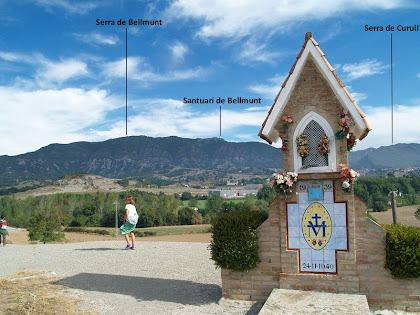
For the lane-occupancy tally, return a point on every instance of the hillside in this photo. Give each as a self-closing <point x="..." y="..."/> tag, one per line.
<point x="175" y="159"/>
<point x="395" y="156"/>
<point x="141" y="156"/>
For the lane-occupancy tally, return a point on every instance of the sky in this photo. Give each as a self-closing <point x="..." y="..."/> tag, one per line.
<point x="63" y="76"/>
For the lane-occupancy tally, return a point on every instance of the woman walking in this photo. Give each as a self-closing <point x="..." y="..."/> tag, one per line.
<point x="3" y="230"/>
<point x="130" y="221"/>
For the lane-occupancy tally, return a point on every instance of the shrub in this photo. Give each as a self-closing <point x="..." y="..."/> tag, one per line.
<point x="45" y="228"/>
<point x="235" y="240"/>
<point x="144" y="234"/>
<point x="123" y="182"/>
<point x="78" y="229"/>
<point x="403" y="251"/>
<point x="417" y="213"/>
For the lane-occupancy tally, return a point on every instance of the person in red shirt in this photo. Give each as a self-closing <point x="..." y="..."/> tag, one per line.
<point x="3" y="230"/>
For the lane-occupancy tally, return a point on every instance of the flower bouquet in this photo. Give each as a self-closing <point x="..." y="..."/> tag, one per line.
<point x="351" y="141"/>
<point x="302" y="145"/>
<point x="324" y="145"/>
<point x="283" y="181"/>
<point x="287" y="121"/>
<point x="348" y="177"/>
<point x="344" y="124"/>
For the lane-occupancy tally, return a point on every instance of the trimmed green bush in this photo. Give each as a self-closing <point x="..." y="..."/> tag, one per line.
<point x="403" y="251"/>
<point x="235" y="240"/>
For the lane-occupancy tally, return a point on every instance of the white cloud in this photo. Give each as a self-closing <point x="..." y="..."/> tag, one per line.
<point x="70" y="7"/>
<point x="17" y="57"/>
<point x="358" y="96"/>
<point x="256" y="52"/>
<point x="59" y="72"/>
<point x="257" y="108"/>
<point x="238" y="19"/>
<point x="418" y="75"/>
<point x="405" y="126"/>
<point x="168" y="117"/>
<point x="139" y="70"/>
<point x="178" y="51"/>
<point x="362" y="69"/>
<point x="97" y="38"/>
<point x="32" y="119"/>
<point x="47" y="71"/>
<point x="269" y="90"/>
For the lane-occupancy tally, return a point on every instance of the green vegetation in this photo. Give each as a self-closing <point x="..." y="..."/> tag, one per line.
<point x="87" y="231"/>
<point x="374" y="191"/>
<point x="403" y="251"/>
<point x="162" y="230"/>
<point x="144" y="234"/>
<point x="123" y="182"/>
<point x="235" y="240"/>
<point x="98" y="210"/>
<point x="267" y="193"/>
<point x="46" y="226"/>
<point x="417" y="213"/>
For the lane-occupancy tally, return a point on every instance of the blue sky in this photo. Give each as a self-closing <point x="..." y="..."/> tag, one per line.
<point x="62" y="77"/>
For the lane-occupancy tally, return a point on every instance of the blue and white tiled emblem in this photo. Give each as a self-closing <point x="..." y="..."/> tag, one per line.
<point x="317" y="227"/>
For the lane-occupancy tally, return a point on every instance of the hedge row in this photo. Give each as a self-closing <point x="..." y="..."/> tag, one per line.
<point x="235" y="240"/>
<point x="87" y="231"/>
<point x="403" y="251"/>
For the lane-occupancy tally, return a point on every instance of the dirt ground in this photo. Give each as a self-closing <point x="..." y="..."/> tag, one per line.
<point x="405" y="215"/>
<point x="21" y="238"/>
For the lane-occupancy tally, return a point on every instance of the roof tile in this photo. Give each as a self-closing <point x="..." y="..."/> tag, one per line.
<point x="338" y="79"/>
<point x="362" y="115"/>
<point x="314" y="41"/>
<point x="328" y="64"/>
<point x="320" y="51"/>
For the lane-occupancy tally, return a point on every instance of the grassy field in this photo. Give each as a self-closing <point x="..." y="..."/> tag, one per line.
<point x="405" y="215"/>
<point x="167" y="230"/>
<point x="202" y="203"/>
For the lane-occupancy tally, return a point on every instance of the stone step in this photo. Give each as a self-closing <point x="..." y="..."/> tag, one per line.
<point x="282" y="301"/>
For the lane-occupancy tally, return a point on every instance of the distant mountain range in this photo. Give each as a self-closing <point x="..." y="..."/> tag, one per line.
<point x="395" y="156"/>
<point x="174" y="157"/>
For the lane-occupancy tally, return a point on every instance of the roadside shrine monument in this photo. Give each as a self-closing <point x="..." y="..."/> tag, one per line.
<point x="317" y="237"/>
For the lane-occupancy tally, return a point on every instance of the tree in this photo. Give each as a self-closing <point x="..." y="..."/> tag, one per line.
<point x="186" y="195"/>
<point x="214" y="206"/>
<point x="267" y="193"/>
<point x="185" y="216"/>
<point x="193" y="203"/>
<point x="46" y="227"/>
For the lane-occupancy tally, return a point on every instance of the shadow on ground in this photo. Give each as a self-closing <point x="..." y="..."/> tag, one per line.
<point x="147" y="289"/>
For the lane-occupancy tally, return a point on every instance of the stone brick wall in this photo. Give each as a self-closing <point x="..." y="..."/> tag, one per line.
<point x="312" y="94"/>
<point x="376" y="282"/>
<point x="359" y="270"/>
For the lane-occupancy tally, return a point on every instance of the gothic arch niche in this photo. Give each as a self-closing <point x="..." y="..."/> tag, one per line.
<point x="314" y="127"/>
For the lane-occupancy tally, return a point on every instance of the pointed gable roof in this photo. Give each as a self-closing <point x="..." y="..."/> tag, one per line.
<point x="311" y="48"/>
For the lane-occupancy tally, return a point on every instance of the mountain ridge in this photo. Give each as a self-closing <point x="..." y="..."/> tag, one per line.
<point x="169" y="157"/>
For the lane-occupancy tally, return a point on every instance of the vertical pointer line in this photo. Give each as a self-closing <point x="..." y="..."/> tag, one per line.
<point x="392" y="99"/>
<point x="220" y="118"/>
<point x="126" y="90"/>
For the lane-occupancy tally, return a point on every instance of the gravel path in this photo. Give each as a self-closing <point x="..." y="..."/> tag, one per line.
<point x="155" y="278"/>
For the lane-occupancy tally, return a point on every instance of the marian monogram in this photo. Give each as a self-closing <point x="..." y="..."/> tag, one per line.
<point x="316" y="226"/>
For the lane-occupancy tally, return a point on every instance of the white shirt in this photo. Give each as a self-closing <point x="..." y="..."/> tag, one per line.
<point x="131" y="209"/>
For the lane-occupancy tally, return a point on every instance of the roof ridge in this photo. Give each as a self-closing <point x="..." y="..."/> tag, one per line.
<point x="309" y="37"/>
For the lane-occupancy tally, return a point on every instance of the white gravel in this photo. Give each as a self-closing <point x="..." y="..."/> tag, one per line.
<point x="155" y="278"/>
